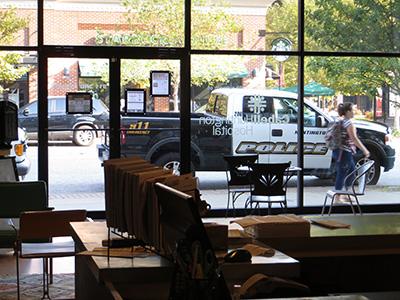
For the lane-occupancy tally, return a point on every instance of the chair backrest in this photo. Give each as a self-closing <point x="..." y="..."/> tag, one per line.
<point x="48" y="224"/>
<point x="269" y="179"/>
<point x="360" y="180"/>
<point x="234" y="163"/>
<point x="8" y="169"/>
<point x="16" y="197"/>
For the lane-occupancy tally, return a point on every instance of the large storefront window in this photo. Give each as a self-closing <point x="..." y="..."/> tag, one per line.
<point x="241" y="107"/>
<point x="240" y="101"/>
<point x="76" y="178"/>
<point x="242" y="25"/>
<point x="371" y="85"/>
<point x="18" y="83"/>
<point x="150" y="111"/>
<point x="133" y="23"/>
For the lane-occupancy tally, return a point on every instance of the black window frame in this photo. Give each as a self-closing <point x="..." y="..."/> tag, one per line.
<point x="44" y="52"/>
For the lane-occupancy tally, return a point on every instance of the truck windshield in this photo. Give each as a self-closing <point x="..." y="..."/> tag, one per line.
<point x="286" y="108"/>
<point x="218" y="104"/>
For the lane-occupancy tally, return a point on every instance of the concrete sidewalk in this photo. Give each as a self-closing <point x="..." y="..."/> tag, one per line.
<point x="313" y="196"/>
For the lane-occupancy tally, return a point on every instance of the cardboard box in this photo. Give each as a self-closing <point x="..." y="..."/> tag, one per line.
<point x="275" y="226"/>
<point x="218" y="235"/>
<point x="237" y="238"/>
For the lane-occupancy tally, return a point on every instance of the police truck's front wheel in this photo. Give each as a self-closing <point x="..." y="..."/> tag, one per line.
<point x="375" y="172"/>
<point x="170" y="161"/>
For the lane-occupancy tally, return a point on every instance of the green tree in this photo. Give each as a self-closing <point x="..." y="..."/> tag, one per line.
<point x="365" y="26"/>
<point x="358" y="25"/>
<point x="343" y="25"/>
<point x="161" y="24"/>
<point x="10" y="70"/>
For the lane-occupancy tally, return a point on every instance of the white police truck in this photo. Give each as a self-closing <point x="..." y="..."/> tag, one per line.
<point x="245" y="121"/>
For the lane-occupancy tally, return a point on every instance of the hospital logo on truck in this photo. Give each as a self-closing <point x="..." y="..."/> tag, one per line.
<point x="257" y="104"/>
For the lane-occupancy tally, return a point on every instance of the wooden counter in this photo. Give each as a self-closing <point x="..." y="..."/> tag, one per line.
<point x="365" y="257"/>
<point x="368" y="235"/>
<point x="146" y="278"/>
<point x="149" y="277"/>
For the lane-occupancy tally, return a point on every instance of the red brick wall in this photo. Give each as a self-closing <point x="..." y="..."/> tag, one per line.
<point x="32" y="85"/>
<point x="161" y="104"/>
<point x="61" y="81"/>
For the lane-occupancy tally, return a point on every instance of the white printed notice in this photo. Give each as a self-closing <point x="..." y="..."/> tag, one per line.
<point x="160" y="83"/>
<point x="135" y="101"/>
<point x="79" y="103"/>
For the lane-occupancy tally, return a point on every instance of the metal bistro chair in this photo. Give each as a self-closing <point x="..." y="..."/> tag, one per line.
<point x="268" y="181"/>
<point x="35" y="239"/>
<point x="238" y="177"/>
<point x="357" y="187"/>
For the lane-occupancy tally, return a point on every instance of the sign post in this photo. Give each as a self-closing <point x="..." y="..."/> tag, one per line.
<point x="281" y="44"/>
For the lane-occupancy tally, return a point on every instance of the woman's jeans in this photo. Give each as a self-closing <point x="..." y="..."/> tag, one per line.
<point x="344" y="166"/>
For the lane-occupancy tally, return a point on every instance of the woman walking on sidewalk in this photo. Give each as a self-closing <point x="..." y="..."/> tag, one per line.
<point x="343" y="156"/>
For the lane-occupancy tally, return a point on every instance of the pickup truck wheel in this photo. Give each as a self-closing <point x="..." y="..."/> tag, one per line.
<point x="84" y="136"/>
<point x="170" y="161"/>
<point x="375" y="172"/>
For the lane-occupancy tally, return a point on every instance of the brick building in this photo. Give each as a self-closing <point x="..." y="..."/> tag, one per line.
<point x="76" y="23"/>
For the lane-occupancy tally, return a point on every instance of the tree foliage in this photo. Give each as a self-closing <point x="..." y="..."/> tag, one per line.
<point x="357" y="25"/>
<point x="10" y="70"/>
<point x="345" y="25"/>
<point x="216" y="70"/>
<point x="160" y="23"/>
<point x="10" y="25"/>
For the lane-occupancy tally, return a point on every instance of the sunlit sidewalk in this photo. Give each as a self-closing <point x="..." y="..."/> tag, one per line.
<point x="313" y="196"/>
<point x="217" y="198"/>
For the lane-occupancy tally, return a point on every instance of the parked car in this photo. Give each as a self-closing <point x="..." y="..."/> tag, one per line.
<point x="77" y="128"/>
<point x="18" y="149"/>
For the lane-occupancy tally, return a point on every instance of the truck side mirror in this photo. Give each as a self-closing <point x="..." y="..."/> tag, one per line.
<point x="321" y="122"/>
<point x="26" y="112"/>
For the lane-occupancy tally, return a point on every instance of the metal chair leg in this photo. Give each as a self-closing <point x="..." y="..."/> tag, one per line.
<point x="51" y="270"/>
<point x="358" y="204"/>
<point x="227" y="205"/>
<point x="330" y="208"/>
<point x="233" y="202"/>
<point x="234" y="198"/>
<point x="285" y="204"/>
<point x="323" y="206"/>
<point x="18" y="283"/>
<point x="251" y="205"/>
<point x="45" y="279"/>
<point x="351" y="205"/>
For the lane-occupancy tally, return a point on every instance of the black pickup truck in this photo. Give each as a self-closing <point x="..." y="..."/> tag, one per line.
<point x="240" y="121"/>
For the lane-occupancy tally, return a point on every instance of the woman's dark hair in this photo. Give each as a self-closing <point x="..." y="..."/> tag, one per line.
<point x="344" y="107"/>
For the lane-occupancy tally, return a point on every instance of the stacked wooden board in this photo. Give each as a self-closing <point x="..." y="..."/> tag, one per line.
<point x="130" y="201"/>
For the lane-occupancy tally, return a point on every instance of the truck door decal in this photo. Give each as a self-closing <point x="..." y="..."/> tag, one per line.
<point x="246" y="147"/>
<point x="137" y="128"/>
